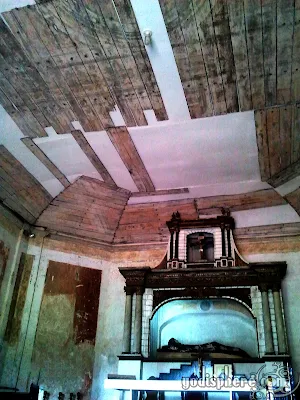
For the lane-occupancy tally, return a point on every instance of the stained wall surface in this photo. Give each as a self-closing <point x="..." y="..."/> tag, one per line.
<point x="48" y="320"/>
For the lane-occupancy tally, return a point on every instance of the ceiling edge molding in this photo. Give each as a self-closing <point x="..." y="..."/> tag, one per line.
<point x="280" y="238"/>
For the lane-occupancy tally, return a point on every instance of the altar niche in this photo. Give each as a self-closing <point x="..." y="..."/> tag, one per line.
<point x="200" y="247"/>
<point x="212" y="327"/>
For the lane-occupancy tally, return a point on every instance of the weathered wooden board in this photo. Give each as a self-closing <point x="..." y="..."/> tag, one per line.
<point x="19" y="190"/>
<point x="278" y="142"/>
<point x="222" y="36"/>
<point x="92" y="156"/>
<point x="18" y="299"/>
<point x="294" y="200"/>
<point x="239" y="48"/>
<point x="245" y="201"/>
<point x="292" y="171"/>
<point x="72" y="61"/>
<point x="146" y="223"/>
<point x="285" y="32"/>
<point x="160" y="192"/>
<point x="4" y="253"/>
<point x="295" y="135"/>
<point x="295" y="84"/>
<point x="88" y="208"/>
<point x="253" y="23"/>
<point x="124" y="145"/>
<point x="269" y="50"/>
<point x="270" y="231"/>
<point x="178" y="26"/>
<point x="206" y="35"/>
<point x="273" y="131"/>
<point x="262" y="144"/>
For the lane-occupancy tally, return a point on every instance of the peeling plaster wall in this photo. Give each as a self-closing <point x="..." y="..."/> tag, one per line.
<point x="38" y="351"/>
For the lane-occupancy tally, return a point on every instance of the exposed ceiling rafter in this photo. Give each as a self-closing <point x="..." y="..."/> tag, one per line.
<point x="37" y="152"/>
<point x="124" y="145"/>
<point x="92" y="156"/>
<point x="160" y="192"/>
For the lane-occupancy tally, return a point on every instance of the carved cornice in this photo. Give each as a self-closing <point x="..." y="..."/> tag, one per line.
<point x="219" y="221"/>
<point x="135" y="277"/>
<point x="252" y="275"/>
<point x="129" y="290"/>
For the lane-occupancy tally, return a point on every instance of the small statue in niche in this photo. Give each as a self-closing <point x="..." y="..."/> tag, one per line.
<point x="201" y="246"/>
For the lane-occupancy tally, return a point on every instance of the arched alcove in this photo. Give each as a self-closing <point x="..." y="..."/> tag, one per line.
<point x="197" y="322"/>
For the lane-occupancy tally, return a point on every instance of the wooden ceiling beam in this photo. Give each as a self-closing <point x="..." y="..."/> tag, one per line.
<point x="293" y="199"/>
<point x="291" y="172"/>
<point x="124" y="145"/>
<point x="240" y="202"/>
<point x="19" y="190"/>
<point x="92" y="156"/>
<point x="160" y="192"/>
<point x="35" y="150"/>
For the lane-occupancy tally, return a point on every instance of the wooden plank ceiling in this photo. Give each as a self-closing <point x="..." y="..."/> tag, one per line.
<point x="240" y="55"/>
<point x="146" y="223"/>
<point x="95" y="210"/>
<point x="62" y="61"/>
<point x="235" y="55"/>
<point x="88" y="208"/>
<point x="19" y="190"/>
<point x="66" y="60"/>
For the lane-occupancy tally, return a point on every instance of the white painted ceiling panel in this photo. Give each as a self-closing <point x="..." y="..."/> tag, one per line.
<point x="109" y="156"/>
<point x="10" y="136"/>
<point x="265" y="216"/>
<point x="216" y="150"/>
<point x="67" y="155"/>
